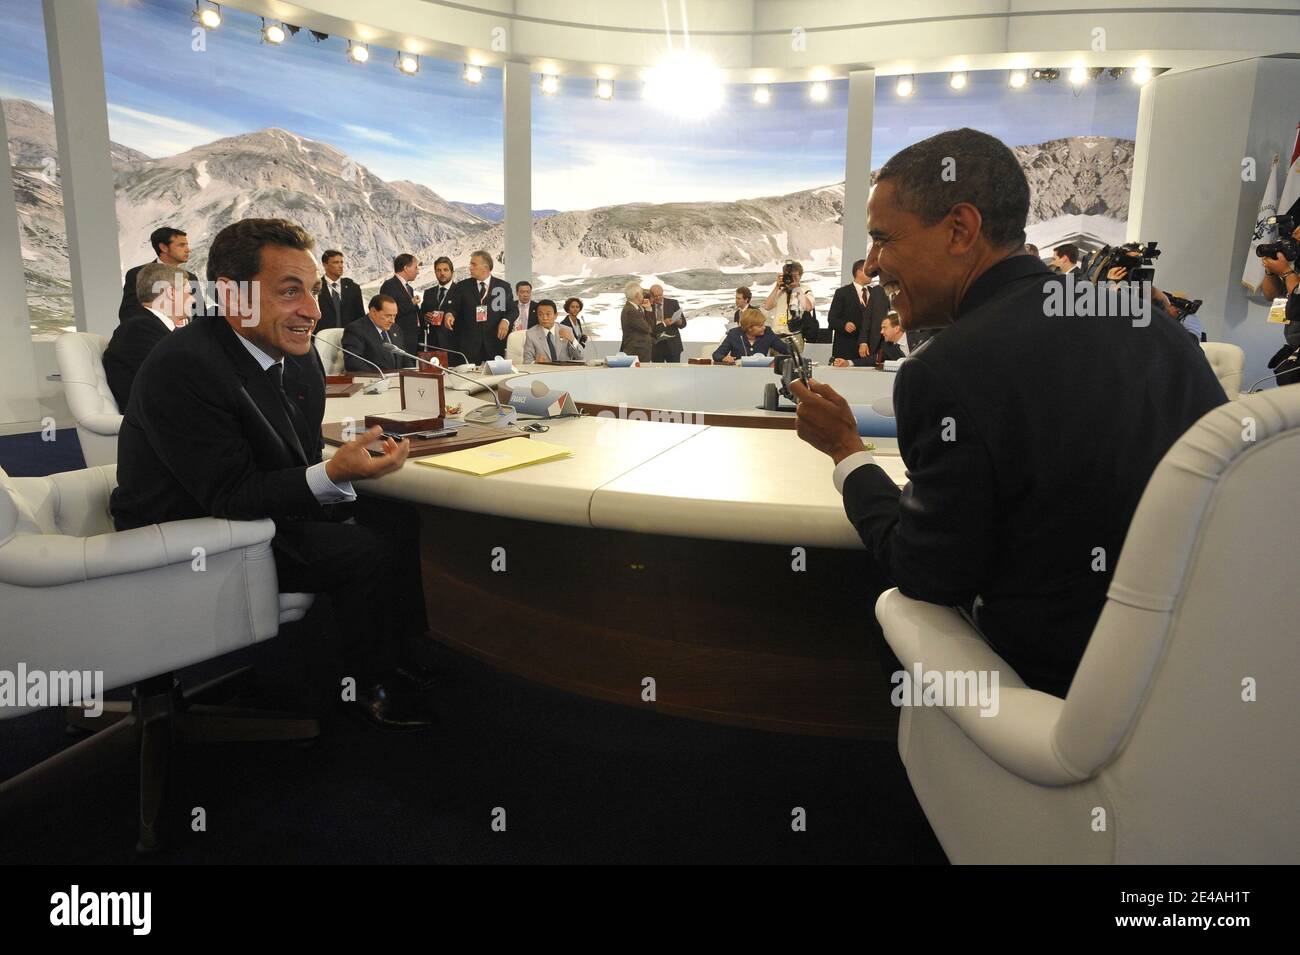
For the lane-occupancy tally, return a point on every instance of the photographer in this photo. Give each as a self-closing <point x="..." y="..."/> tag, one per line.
<point x="789" y="306"/>
<point x="1281" y="281"/>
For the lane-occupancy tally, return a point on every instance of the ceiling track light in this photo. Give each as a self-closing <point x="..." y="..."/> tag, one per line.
<point x="604" y="90"/>
<point x="549" y="84"/>
<point x="407" y="64"/>
<point x="317" y="35"/>
<point x="1017" y="79"/>
<point x="905" y="86"/>
<point x="472" y="73"/>
<point x="358" y="52"/>
<point x="1047" y="74"/>
<point x="1142" y="75"/>
<point x="818" y="92"/>
<point x="957" y="80"/>
<point x="208" y="17"/>
<point x="762" y="95"/>
<point x="273" y="33"/>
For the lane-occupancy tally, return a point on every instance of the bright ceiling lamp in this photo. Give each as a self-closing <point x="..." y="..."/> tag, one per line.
<point x="1142" y="75"/>
<point x="1078" y="76"/>
<point x="1017" y="79"/>
<point x="957" y="81"/>
<point x="686" y="84"/>
<point x="604" y="89"/>
<point x="905" y="86"/>
<point x="762" y="95"/>
<point x="819" y="91"/>
<point x="550" y="84"/>
<point x="472" y="74"/>
<point x="358" y="52"/>
<point x="273" y="33"/>
<point x="408" y="64"/>
<point x="209" y="17"/>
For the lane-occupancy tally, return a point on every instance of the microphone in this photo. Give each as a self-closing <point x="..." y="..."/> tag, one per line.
<point x="373" y="388"/>
<point x="500" y="419"/>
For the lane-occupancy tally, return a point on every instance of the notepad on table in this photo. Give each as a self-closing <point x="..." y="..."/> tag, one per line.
<point x="498" y="456"/>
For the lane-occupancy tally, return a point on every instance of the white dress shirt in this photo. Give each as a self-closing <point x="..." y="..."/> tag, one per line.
<point x="166" y="320"/>
<point x="322" y="488"/>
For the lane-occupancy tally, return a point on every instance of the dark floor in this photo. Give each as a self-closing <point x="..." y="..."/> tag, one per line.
<point x="579" y="781"/>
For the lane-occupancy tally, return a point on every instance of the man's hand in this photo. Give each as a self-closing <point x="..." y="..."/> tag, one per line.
<point x="862" y="350"/>
<point x="824" y="420"/>
<point x="503" y="329"/>
<point x="449" y="320"/>
<point x="1277" y="265"/>
<point x="850" y="328"/>
<point x="565" y="334"/>
<point x="1117" y="273"/>
<point x="729" y="360"/>
<point x="839" y="363"/>
<point x="352" y="462"/>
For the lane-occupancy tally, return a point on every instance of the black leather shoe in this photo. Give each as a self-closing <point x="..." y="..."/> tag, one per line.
<point x="381" y="706"/>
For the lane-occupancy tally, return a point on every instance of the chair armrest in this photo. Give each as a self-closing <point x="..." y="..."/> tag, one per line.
<point x="50" y="560"/>
<point x="101" y="423"/>
<point x="1019" y="732"/>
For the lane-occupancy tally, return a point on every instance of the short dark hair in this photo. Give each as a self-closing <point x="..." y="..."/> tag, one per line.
<point x="892" y="317"/>
<point x="570" y="300"/>
<point x="521" y="283"/>
<point x="377" y="302"/>
<point x="745" y="293"/>
<point x="858" y="266"/>
<point x="160" y="237"/>
<point x="486" y="257"/>
<point x="545" y="302"/>
<point x="402" y="261"/>
<point x="1069" y="250"/>
<point x="986" y="174"/>
<point x="329" y="254"/>
<point x="441" y="259"/>
<point x="236" y="252"/>
<point x="1031" y="248"/>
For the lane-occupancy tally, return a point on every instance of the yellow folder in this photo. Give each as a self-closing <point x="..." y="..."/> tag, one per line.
<point x="498" y="456"/>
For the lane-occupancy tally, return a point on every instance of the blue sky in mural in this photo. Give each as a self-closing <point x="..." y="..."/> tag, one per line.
<point x="438" y="130"/>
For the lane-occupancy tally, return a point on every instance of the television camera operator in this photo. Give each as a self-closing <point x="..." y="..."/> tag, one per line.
<point x="1281" y="281"/>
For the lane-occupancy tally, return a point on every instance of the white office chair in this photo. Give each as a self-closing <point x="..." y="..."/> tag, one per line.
<point x="1227" y="360"/>
<point x="81" y="367"/>
<point x="331" y="358"/>
<point x="136" y="605"/>
<point x="1177" y="741"/>
<point x="515" y="347"/>
<point x="707" y="350"/>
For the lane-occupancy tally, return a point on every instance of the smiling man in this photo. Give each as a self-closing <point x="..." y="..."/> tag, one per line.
<point x="211" y="432"/>
<point x="1028" y="439"/>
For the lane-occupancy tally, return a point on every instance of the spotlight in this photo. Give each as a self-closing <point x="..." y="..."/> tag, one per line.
<point x="1017" y="79"/>
<point x="473" y="74"/>
<point x="957" y="81"/>
<point x="1047" y="75"/>
<point x="272" y="33"/>
<point x="686" y="84"/>
<point x="905" y="86"/>
<point x="762" y="95"/>
<point x="818" y="92"/>
<point x="604" y="89"/>
<point x="408" y="63"/>
<point x="1078" y="76"/>
<point x="208" y="17"/>
<point x="357" y="52"/>
<point x="550" y="84"/>
<point x="1142" y="75"/>
<point x="318" y="36"/>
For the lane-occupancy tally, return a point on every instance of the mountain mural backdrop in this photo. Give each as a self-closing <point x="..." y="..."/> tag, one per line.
<point x="1080" y="187"/>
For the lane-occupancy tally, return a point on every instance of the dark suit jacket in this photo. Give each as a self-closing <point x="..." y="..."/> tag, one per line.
<point x="408" y="309"/>
<point x="887" y="351"/>
<point x="438" y="299"/>
<point x="735" y="344"/>
<point x="638" y="331"/>
<point x="1028" y="440"/>
<point x="351" y="308"/>
<point x="847" y="307"/>
<point x="206" y="435"/>
<point x="130" y="300"/>
<point x="363" y="338"/>
<point x="668" y="341"/>
<point x="478" y="340"/>
<point x="579" y="330"/>
<point x="130" y="345"/>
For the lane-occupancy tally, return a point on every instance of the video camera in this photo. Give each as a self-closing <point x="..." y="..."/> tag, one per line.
<point x="1286" y="245"/>
<point x="1137" y="261"/>
<point x="789" y="367"/>
<point x="787" y="276"/>
<point x="1185" y="306"/>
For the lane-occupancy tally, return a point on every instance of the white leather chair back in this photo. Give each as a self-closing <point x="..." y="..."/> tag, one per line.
<point x="81" y="367"/>
<point x="1185" y="699"/>
<point x="1227" y="360"/>
<point x="331" y="358"/>
<point x="515" y="347"/>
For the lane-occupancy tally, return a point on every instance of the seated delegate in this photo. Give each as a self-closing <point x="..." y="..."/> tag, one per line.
<point x="752" y="337"/>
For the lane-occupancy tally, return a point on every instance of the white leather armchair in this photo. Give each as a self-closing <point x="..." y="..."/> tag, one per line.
<point x="331" y="358"/>
<point x="81" y="367"/>
<point x="1227" y="360"/>
<point x="1177" y="740"/>
<point x="136" y="605"/>
<point x="515" y="347"/>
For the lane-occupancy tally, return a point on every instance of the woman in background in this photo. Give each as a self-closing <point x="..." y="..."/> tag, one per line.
<point x="572" y="306"/>
<point x="638" y="324"/>
<point x="752" y="337"/>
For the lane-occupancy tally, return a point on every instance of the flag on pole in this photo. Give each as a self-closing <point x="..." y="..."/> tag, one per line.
<point x="1291" y="188"/>
<point x="1253" y="274"/>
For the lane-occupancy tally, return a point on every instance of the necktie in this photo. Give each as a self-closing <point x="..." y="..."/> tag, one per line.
<point x="482" y="293"/>
<point x="383" y="337"/>
<point x="410" y="291"/>
<point x="297" y="423"/>
<point x="865" y="303"/>
<point x="550" y="343"/>
<point x="334" y="291"/>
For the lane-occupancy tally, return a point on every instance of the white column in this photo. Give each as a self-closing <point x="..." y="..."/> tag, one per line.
<point x="517" y="108"/>
<point x="85" y="168"/>
<point x="17" y="355"/>
<point x="857" y="170"/>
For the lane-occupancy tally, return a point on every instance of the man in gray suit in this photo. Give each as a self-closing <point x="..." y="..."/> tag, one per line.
<point x="546" y="342"/>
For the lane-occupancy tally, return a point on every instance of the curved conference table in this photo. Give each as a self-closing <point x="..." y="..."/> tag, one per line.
<point x="692" y="556"/>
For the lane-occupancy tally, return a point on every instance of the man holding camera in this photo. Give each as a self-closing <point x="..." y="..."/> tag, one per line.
<point x="1281" y="281"/>
<point x="789" y="306"/>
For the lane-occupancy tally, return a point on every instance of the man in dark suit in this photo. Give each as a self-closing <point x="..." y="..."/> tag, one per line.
<point x="168" y="302"/>
<point x="210" y="431"/>
<point x="855" y="314"/>
<point x="1028" y="436"/>
<point x="744" y="298"/>
<point x="340" y="297"/>
<point x="435" y="309"/>
<point x="368" y="336"/>
<point x="525" y="315"/>
<point x="398" y="287"/>
<point x="172" y="247"/>
<point x="483" y="309"/>
<point x="669" y="321"/>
